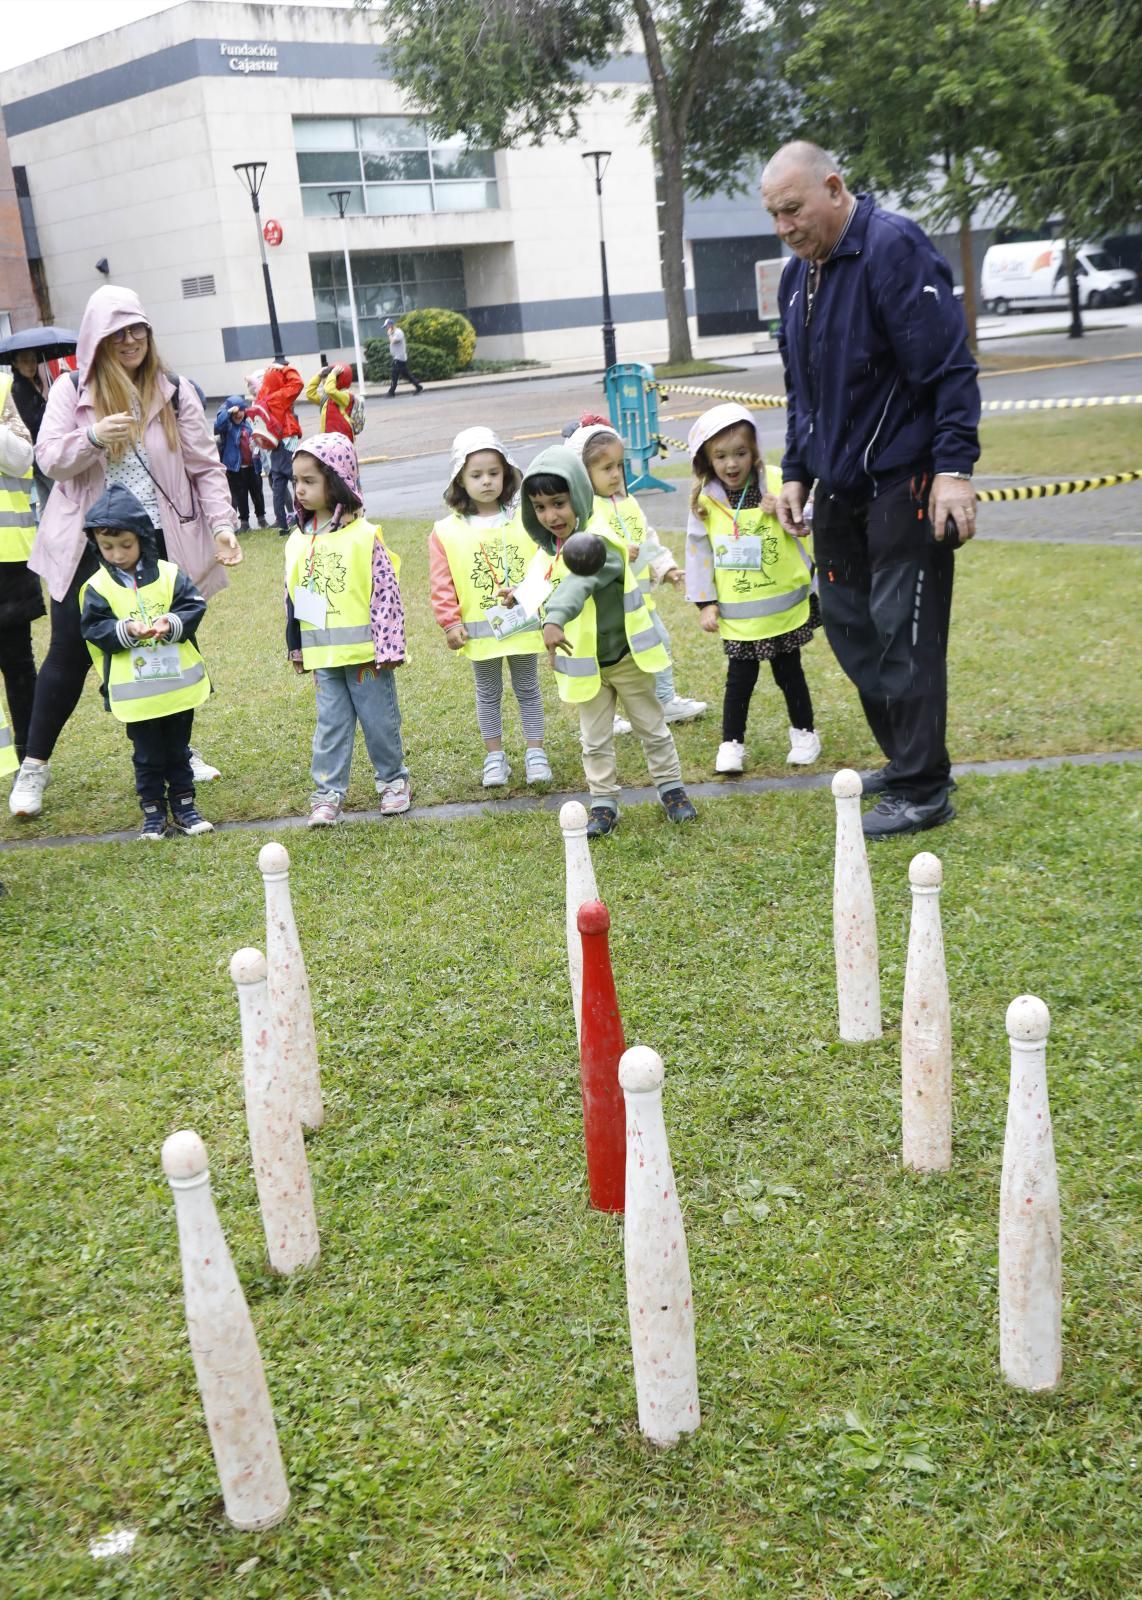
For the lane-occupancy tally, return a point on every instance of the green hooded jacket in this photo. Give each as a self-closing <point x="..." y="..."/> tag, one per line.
<point x="605" y="587"/>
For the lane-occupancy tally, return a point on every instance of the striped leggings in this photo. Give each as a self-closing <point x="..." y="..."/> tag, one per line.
<point x="490" y="692"/>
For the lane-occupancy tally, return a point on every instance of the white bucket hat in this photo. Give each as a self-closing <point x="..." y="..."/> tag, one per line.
<point x="468" y="442"/>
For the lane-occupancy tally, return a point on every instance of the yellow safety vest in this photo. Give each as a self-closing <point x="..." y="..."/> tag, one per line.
<point x="627" y="522"/>
<point x="8" y="762"/>
<point x="17" y="523"/>
<point x="764" y="601"/>
<point x="480" y="561"/>
<point x="134" y="692"/>
<point x="338" y="566"/>
<point x="577" y="676"/>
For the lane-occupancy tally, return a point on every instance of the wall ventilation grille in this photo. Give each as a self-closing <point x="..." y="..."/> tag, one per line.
<point x="196" y="288"/>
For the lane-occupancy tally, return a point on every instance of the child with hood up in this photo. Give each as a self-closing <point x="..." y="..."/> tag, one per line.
<point x="139" y="616"/>
<point x="242" y="460"/>
<point x="600" y="640"/>
<point x="476" y="557"/>
<point x="332" y="390"/>
<point x="345" y="624"/>
<point x="751" y="581"/>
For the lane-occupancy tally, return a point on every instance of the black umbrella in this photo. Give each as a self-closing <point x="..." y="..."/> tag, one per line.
<point x="49" y="343"/>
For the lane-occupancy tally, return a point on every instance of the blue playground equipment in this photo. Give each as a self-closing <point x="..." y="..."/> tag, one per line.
<point x="632" y="401"/>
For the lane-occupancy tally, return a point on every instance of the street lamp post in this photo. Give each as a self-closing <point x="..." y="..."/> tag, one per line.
<point x="601" y="158"/>
<point x="340" y="198"/>
<point x="251" y="174"/>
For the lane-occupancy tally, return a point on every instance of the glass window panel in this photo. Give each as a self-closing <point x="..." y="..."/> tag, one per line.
<point x="429" y="264"/>
<point x="319" y="269"/>
<point x="329" y="166"/>
<point x="398" y="199"/>
<point x="466" y="196"/>
<point x="324" y="133"/>
<point x="396" y="165"/>
<point x="446" y="292"/>
<point x="462" y="163"/>
<point x="379" y="134"/>
<point x="328" y="336"/>
<point x="316" y="203"/>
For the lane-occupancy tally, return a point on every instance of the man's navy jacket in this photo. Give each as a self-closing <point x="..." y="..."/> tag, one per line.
<point x="881" y="380"/>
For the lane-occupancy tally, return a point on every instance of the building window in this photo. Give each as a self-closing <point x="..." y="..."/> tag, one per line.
<point x="385" y="285"/>
<point x="390" y="166"/>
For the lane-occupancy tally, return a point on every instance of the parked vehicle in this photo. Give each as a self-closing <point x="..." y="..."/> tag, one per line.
<point x="1033" y="275"/>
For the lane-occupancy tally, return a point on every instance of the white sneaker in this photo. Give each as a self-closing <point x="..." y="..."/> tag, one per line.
<point x="730" y="756"/>
<point x="396" y="797"/>
<point x="496" y="770"/>
<point x="621" y="725"/>
<point x="804" y="747"/>
<point x="682" y="710"/>
<point x="536" y="766"/>
<point x="27" y="797"/>
<point x="201" y="771"/>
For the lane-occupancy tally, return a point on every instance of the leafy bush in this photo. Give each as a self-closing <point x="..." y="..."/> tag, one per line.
<point x="426" y="362"/>
<point x="444" y="330"/>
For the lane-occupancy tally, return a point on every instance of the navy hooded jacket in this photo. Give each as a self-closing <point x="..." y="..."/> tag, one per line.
<point x="229" y="433"/>
<point x="881" y="382"/>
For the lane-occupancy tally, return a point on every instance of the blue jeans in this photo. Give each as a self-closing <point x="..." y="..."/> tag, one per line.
<point x="347" y="696"/>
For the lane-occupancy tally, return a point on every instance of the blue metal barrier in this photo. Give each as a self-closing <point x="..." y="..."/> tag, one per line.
<point x="633" y="406"/>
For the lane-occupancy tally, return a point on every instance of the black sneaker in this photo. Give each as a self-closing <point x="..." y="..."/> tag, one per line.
<point x="602" y="820"/>
<point x="678" y="806"/>
<point x="186" y="818"/>
<point x="877" y="782"/>
<point x="154" y="823"/>
<point x="895" y="814"/>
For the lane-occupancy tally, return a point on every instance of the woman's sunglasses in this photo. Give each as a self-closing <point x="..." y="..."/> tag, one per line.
<point x="137" y="332"/>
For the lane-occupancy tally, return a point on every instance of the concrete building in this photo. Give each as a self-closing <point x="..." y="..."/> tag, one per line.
<point x="19" y="251"/>
<point x="129" y="142"/>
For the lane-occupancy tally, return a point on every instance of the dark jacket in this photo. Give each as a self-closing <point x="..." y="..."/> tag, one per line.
<point x="229" y="433"/>
<point x="882" y="380"/>
<point x="118" y="510"/>
<point x="30" y="401"/>
<point x="572" y="592"/>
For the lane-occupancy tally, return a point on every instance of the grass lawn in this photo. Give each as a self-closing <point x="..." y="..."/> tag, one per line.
<point x="692" y="369"/>
<point x="452" y="1382"/>
<point x="1021" y="686"/>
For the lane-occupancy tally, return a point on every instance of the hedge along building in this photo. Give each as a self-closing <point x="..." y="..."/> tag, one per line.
<point x="129" y="142"/>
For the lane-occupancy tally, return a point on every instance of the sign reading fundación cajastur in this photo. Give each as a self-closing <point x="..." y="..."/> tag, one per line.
<point x="249" y="57"/>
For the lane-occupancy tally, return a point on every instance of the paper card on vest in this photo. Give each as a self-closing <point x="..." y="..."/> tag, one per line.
<point x="536" y="585"/>
<point x="156" y="661"/>
<point x="743" y="552"/>
<point x="506" y="620"/>
<point x="309" y="606"/>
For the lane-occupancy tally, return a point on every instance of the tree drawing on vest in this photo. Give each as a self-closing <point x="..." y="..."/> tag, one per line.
<point x="490" y="572"/>
<point x="326" y="574"/>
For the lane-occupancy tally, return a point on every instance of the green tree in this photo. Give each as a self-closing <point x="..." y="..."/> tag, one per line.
<point x="945" y="102"/>
<point x="509" y="72"/>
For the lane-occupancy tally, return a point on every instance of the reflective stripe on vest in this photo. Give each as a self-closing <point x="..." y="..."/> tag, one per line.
<point x="627" y="523"/>
<point x="765" y="602"/>
<point x="340" y="556"/>
<point x="17" y="521"/>
<point x="8" y="761"/>
<point x="578" y="677"/>
<point x="133" y="699"/>
<point x="499" y="555"/>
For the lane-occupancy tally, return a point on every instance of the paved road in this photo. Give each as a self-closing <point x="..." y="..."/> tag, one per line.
<point x="415" y="431"/>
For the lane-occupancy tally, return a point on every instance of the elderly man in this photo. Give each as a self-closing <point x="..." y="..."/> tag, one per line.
<point x="883" y="414"/>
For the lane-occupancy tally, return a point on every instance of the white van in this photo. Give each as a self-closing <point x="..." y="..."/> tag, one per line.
<point x="1034" y="275"/>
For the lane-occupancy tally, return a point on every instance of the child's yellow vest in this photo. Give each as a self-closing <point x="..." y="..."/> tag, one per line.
<point x="480" y="561"/>
<point x="761" y="575"/>
<point x="336" y="567"/>
<point x="577" y="676"/>
<point x="151" y="679"/>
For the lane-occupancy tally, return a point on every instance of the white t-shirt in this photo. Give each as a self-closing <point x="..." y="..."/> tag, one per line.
<point x="398" y="348"/>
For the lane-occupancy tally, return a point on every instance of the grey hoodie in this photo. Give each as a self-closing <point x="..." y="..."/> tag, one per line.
<point x="571" y="594"/>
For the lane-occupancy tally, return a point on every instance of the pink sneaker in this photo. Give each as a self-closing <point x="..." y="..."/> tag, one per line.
<point x="395" y="797"/>
<point x="324" y="814"/>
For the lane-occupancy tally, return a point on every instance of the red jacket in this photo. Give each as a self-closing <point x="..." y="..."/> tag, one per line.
<point x="280" y="388"/>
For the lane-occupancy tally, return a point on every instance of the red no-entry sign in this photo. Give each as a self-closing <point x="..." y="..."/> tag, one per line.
<point x="272" y="232"/>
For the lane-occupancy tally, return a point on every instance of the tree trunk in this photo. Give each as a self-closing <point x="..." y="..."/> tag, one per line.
<point x="967" y="268"/>
<point x="668" y="139"/>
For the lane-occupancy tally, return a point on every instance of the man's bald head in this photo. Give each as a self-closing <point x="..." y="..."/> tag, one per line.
<point x="806" y="197"/>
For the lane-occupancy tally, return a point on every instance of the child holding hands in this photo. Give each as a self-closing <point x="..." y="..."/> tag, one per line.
<point x="345" y="624"/>
<point x="476" y="557"/>
<point x="752" y="582"/>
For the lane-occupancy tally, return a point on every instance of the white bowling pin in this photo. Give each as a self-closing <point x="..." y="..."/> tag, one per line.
<point x="657" y="1266"/>
<point x="854" y="918"/>
<point x="580" y="888"/>
<point x="1030" y="1236"/>
<point x="227" y="1362"/>
<point x="276" y="1145"/>
<point x="926" y="1028"/>
<point x="289" y="987"/>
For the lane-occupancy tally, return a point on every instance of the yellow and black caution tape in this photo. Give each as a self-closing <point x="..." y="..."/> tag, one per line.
<point x="763" y="402"/>
<point x="665" y="444"/>
<point x="1041" y="491"/>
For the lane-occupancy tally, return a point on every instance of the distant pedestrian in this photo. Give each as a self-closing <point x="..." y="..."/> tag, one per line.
<point x="398" y="355"/>
<point x="331" y="390"/>
<point x="240" y="456"/>
<point x="277" y="430"/>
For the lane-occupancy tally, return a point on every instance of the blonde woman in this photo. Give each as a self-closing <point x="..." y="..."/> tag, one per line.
<point x="121" y="418"/>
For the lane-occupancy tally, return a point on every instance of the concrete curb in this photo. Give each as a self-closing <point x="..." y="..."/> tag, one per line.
<point x="454" y="811"/>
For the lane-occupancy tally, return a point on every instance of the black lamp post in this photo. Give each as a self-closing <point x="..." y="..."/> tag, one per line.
<point x="251" y="174"/>
<point x="601" y="158"/>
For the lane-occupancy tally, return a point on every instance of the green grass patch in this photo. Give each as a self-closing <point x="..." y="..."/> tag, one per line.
<point x="693" y="369"/>
<point x="452" y="1382"/>
<point x="1039" y="665"/>
<point x="1062" y="444"/>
